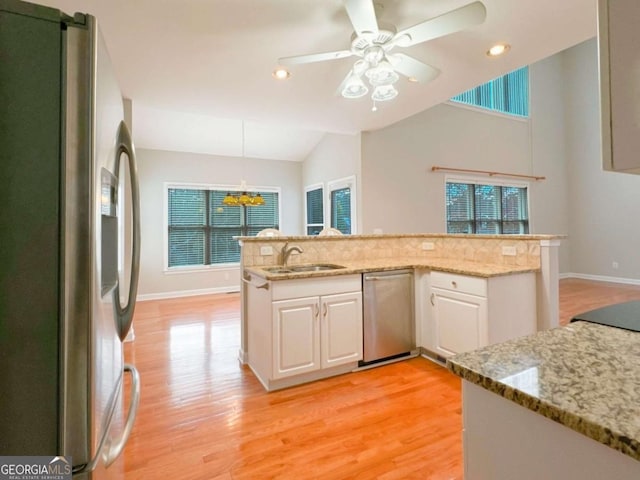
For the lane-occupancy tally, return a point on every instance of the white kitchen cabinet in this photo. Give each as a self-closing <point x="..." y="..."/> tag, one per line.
<point x="303" y="330"/>
<point x="460" y="321"/>
<point x="471" y="312"/>
<point x="618" y="57"/>
<point x="316" y="332"/>
<point x="296" y="337"/>
<point x="341" y="329"/>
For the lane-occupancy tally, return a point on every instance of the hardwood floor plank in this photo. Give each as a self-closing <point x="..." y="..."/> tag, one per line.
<point x="203" y="415"/>
<point x="578" y="296"/>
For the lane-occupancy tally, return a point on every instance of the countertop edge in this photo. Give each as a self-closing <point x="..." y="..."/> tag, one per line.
<point x="287" y="238"/>
<point x="586" y="427"/>
<point x="259" y="271"/>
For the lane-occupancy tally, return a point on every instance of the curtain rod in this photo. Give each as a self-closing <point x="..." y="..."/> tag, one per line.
<point x="485" y="172"/>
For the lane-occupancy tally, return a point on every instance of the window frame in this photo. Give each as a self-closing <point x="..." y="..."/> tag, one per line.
<point x="502" y="182"/>
<point x="307" y="189"/>
<point x="338" y="184"/>
<point x="205" y="186"/>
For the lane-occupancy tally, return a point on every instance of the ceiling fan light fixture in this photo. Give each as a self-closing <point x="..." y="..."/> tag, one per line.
<point x="373" y="55"/>
<point x="382" y="74"/>
<point x="354" y="87"/>
<point x="383" y="93"/>
<point x="281" y="73"/>
<point x="498" y="49"/>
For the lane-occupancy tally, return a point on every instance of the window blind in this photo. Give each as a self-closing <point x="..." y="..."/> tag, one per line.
<point x="315" y="211"/>
<point x="341" y="209"/>
<point x="486" y="209"/>
<point x="225" y="222"/>
<point x="187" y="218"/>
<point x="515" y="210"/>
<point x="201" y="228"/>
<point x="507" y="94"/>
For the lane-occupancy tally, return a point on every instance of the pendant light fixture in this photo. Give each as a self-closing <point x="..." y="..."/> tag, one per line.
<point x="244" y="199"/>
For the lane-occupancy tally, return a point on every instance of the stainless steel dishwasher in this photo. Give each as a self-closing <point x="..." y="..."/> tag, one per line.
<point x="388" y="315"/>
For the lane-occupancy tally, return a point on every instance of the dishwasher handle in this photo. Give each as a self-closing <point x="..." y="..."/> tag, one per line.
<point x="386" y="277"/>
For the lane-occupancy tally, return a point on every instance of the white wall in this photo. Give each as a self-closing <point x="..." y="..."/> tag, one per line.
<point x="400" y="193"/>
<point x="157" y="167"/>
<point x="604" y="206"/>
<point x="336" y="156"/>
<point x="549" y="198"/>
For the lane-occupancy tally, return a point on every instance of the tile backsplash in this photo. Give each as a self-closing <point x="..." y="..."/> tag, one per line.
<point x="481" y="249"/>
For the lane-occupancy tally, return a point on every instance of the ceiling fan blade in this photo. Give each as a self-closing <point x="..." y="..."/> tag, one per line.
<point x="362" y="15"/>
<point x="412" y="68"/>
<point x="450" y="22"/>
<point x="314" y="57"/>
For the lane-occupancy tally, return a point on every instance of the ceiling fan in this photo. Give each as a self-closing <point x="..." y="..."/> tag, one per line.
<point x="373" y="44"/>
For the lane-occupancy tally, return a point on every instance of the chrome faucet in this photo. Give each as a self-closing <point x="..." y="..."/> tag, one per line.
<point x="286" y="251"/>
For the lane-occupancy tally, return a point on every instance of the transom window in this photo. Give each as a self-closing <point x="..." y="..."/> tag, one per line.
<point x="486" y="209"/>
<point x="507" y="94"/>
<point x="201" y="228"/>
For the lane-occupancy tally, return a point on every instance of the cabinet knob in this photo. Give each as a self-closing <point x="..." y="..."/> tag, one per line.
<point x="454" y="284"/>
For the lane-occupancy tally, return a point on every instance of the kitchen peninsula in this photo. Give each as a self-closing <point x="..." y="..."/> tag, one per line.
<point x="559" y="404"/>
<point x="507" y="284"/>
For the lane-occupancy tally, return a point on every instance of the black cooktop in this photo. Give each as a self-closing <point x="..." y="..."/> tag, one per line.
<point x="622" y="315"/>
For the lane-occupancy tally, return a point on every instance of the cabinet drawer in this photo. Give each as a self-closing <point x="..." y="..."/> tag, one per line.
<point x="460" y="283"/>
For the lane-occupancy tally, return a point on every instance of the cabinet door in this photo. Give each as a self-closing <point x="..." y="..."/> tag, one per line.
<point x="618" y="57"/>
<point x="296" y="336"/>
<point x="460" y="321"/>
<point x="341" y="340"/>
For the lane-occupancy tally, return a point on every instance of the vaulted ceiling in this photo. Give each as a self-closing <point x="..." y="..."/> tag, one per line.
<point x="199" y="71"/>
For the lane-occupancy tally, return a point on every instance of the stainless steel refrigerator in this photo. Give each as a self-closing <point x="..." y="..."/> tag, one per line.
<point x="69" y="243"/>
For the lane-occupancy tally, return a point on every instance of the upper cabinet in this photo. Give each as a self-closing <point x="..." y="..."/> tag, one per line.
<point x="619" y="60"/>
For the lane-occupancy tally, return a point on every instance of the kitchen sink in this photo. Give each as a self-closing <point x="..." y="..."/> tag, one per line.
<point x="277" y="270"/>
<point x="314" y="268"/>
<point x="318" y="267"/>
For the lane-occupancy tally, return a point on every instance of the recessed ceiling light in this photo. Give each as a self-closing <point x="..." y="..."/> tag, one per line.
<point x="498" y="49"/>
<point x="281" y="73"/>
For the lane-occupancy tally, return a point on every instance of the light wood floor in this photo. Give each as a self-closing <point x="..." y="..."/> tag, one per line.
<point x="204" y="416"/>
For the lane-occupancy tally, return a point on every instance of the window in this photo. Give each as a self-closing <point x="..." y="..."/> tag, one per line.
<point x="342" y="204"/>
<point x="507" y="94"/>
<point x="486" y="209"/>
<point x="314" y="201"/>
<point x="201" y="229"/>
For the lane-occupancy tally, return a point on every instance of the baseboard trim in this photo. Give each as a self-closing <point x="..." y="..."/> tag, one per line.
<point x="186" y="293"/>
<point x="243" y="358"/>
<point x="601" y="278"/>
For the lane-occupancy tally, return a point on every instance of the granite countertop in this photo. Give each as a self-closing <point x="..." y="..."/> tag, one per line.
<point x="286" y="238"/>
<point x="361" y="266"/>
<point x="584" y="376"/>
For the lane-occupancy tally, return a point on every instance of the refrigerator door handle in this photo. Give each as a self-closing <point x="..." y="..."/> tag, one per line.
<point x="124" y="144"/>
<point x="116" y="449"/>
<point x="108" y="451"/>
